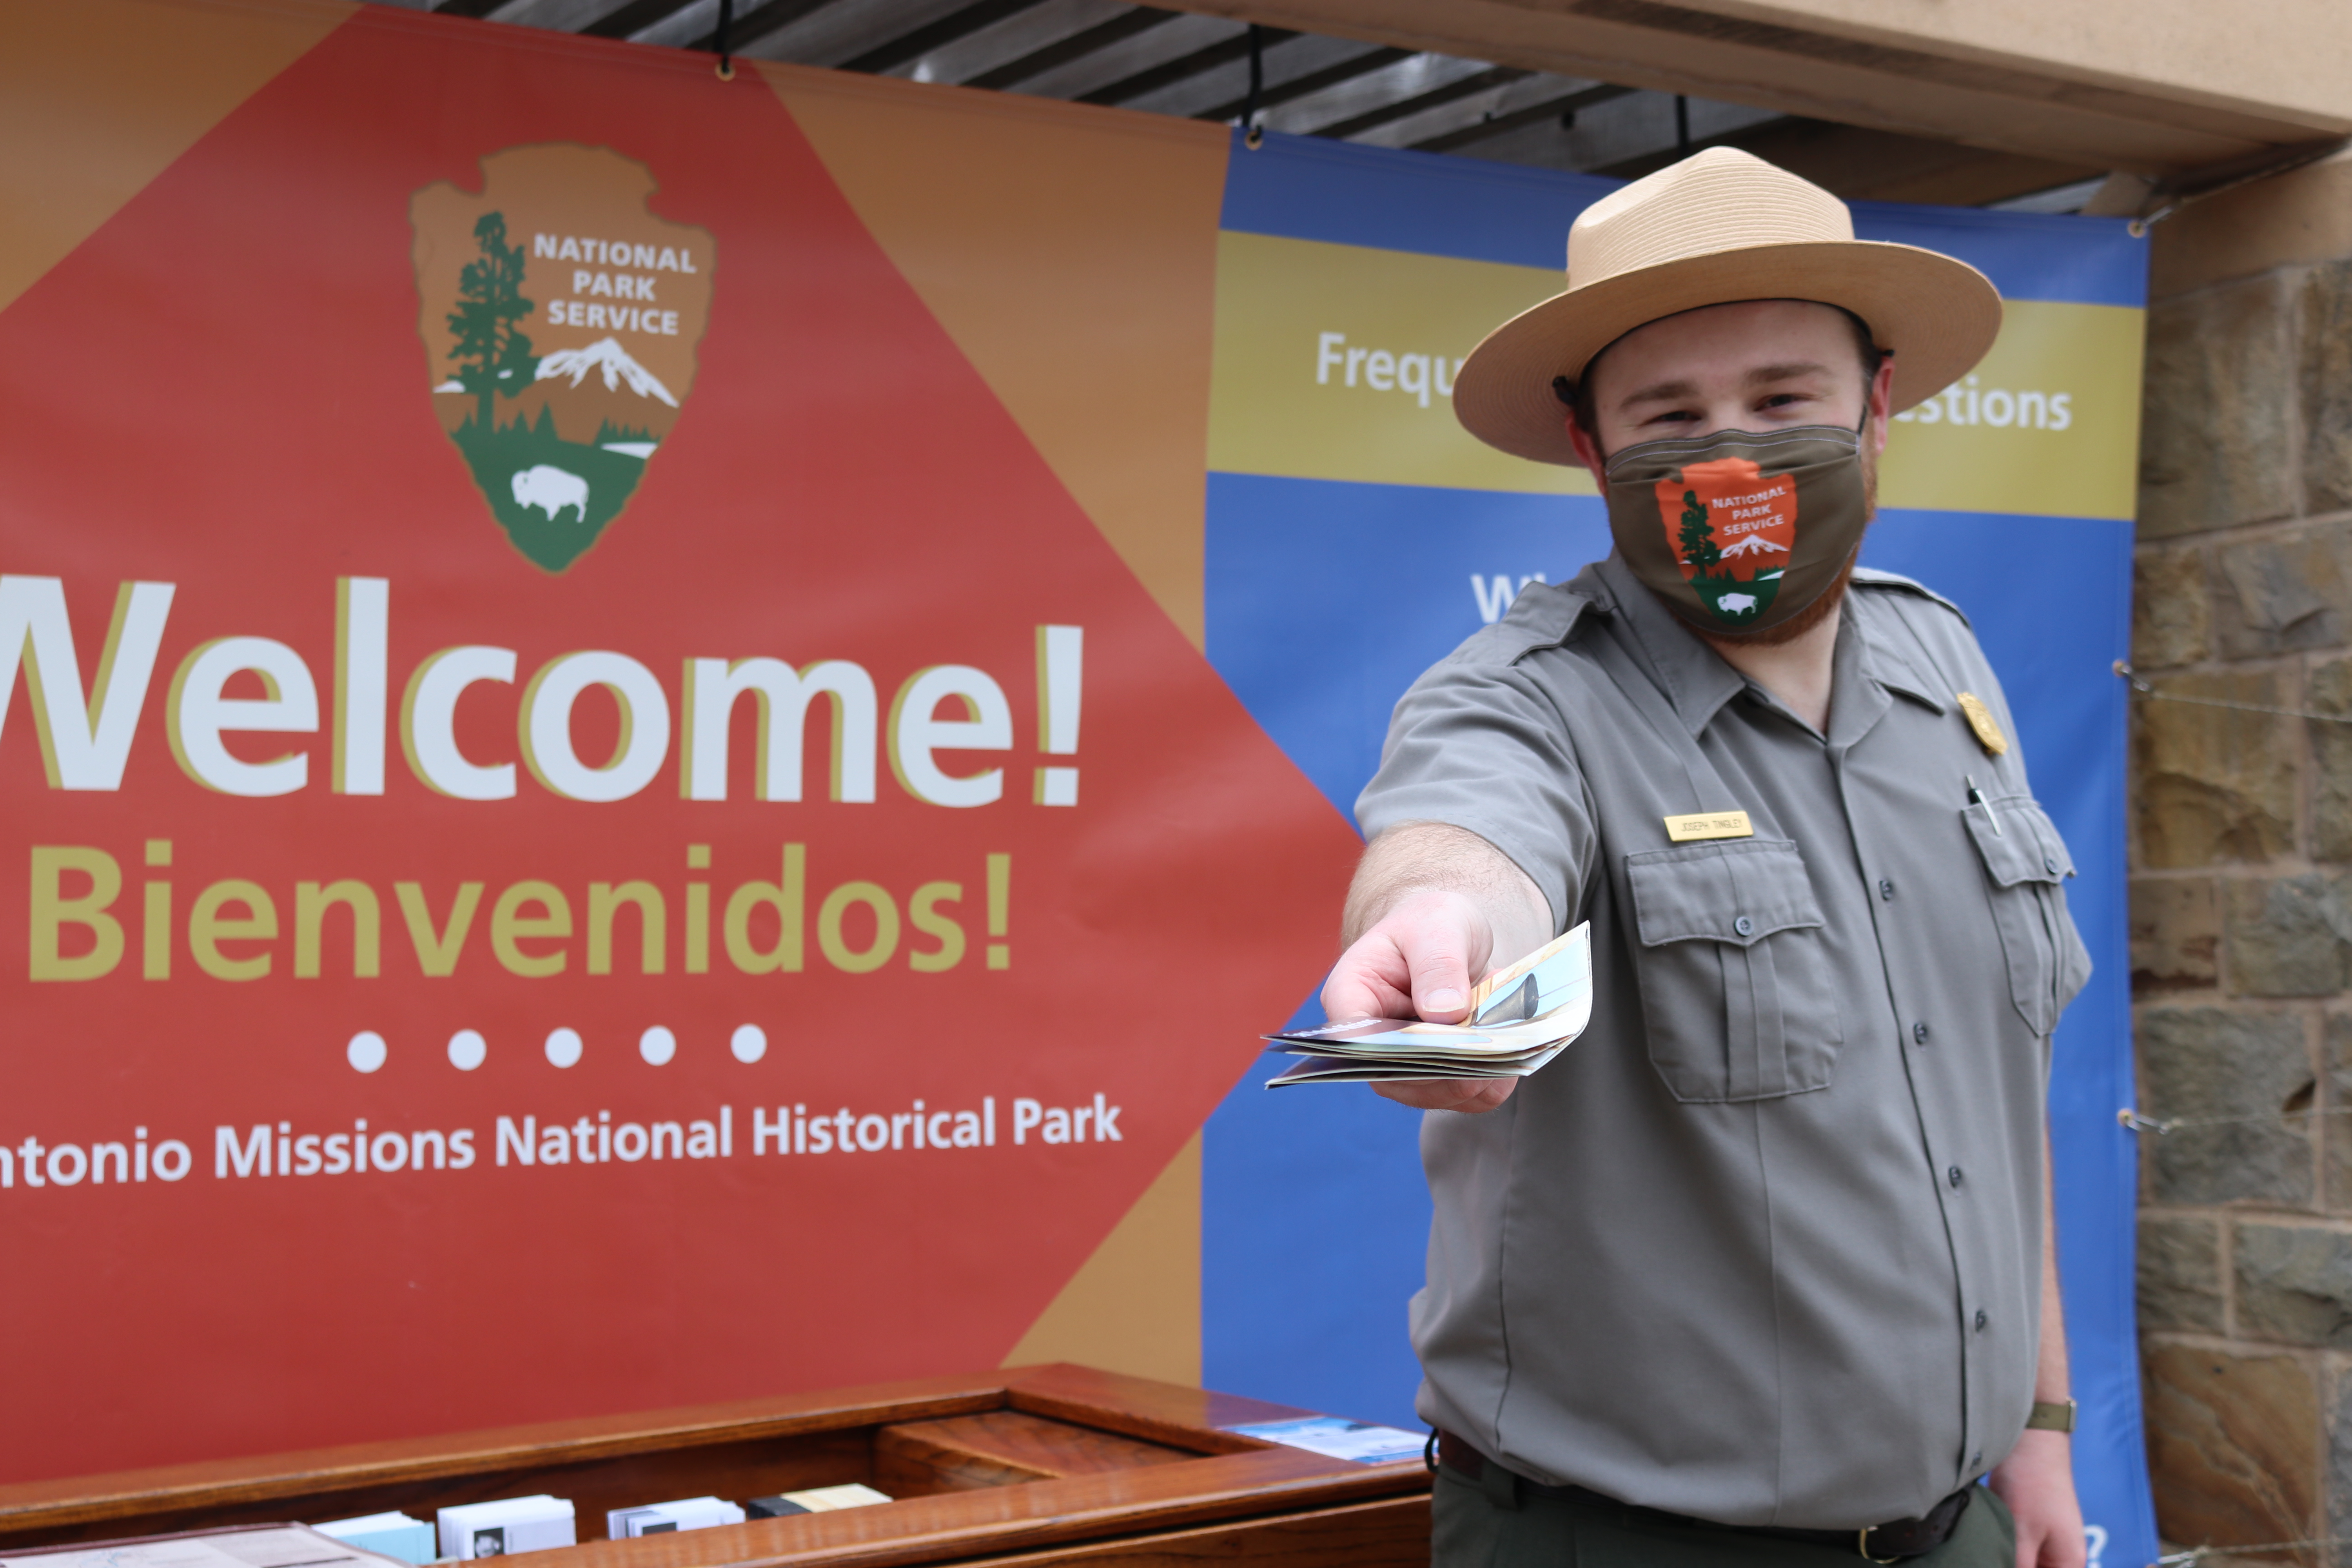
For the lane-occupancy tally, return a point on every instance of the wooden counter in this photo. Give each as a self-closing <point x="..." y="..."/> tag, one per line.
<point x="1052" y="1464"/>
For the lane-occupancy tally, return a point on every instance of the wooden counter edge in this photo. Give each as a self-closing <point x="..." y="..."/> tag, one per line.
<point x="71" y="1499"/>
<point x="1036" y="1515"/>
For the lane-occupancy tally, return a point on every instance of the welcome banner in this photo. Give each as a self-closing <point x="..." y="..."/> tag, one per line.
<point x="667" y="738"/>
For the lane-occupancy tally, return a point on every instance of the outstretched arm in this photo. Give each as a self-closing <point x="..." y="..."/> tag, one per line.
<point x="1433" y="909"/>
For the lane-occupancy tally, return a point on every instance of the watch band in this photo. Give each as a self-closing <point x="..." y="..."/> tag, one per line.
<point x="2051" y="1416"/>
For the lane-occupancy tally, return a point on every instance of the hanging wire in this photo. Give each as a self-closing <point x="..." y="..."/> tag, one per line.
<point x="726" y="26"/>
<point x="2131" y="1121"/>
<point x="1252" y="133"/>
<point x="2144" y="690"/>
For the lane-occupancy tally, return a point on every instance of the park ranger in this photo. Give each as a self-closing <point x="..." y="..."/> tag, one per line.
<point x="1761" y="1269"/>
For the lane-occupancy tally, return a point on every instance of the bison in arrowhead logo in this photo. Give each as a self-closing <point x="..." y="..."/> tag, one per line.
<point x="561" y="318"/>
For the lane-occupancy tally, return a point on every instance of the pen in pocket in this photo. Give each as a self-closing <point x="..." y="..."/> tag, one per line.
<point x="1977" y="797"/>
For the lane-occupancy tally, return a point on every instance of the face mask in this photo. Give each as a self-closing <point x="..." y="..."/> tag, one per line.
<point x="1740" y="531"/>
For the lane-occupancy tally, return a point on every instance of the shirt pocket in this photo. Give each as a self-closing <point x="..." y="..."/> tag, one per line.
<point x="1735" y="984"/>
<point x="2025" y="865"/>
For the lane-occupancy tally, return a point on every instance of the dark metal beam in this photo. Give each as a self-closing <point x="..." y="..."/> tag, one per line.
<point x="1076" y="47"/>
<point x="1185" y="67"/>
<point x="1355" y="125"/>
<point x="772" y="17"/>
<point x="1299" y="87"/>
<point x="955" y="25"/>
<point x="1565" y="104"/>
<point x="637" y="14"/>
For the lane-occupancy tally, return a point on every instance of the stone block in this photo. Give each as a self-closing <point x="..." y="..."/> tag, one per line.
<point x="2232" y="1445"/>
<point x="2218" y="410"/>
<point x="2176" y="934"/>
<point x="2288" y="593"/>
<point x="2171" y="609"/>
<point x="2220" y="1061"/>
<point x="2288" y="936"/>
<point x="2326" y="378"/>
<point x="2329" y="691"/>
<point x="2294" y="1284"/>
<point x="2179" y="1263"/>
<point x="2214" y="785"/>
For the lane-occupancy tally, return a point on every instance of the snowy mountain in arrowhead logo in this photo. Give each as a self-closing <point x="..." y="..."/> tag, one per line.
<point x="561" y="319"/>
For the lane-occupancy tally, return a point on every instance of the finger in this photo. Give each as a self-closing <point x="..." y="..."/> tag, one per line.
<point x="1369" y="982"/>
<point x="1437" y="960"/>
<point x="1470" y="1095"/>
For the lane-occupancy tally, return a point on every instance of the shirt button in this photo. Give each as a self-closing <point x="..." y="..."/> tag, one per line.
<point x="1744" y="926"/>
<point x="1981" y="1320"/>
<point x="2050" y="864"/>
<point x="1976" y="1461"/>
<point x="1885" y="889"/>
<point x="1919" y="1032"/>
<point x="1953" y="1176"/>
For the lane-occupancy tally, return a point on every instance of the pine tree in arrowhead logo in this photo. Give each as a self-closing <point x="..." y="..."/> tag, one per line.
<point x="561" y="319"/>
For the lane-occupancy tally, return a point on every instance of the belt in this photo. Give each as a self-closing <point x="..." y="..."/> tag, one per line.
<point x="1889" y="1543"/>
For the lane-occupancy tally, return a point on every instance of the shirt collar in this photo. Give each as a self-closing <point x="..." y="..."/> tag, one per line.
<point x="1697" y="683"/>
<point x="1692" y="676"/>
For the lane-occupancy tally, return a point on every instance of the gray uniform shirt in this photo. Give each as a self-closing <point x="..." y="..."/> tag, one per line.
<point x="1763" y="1246"/>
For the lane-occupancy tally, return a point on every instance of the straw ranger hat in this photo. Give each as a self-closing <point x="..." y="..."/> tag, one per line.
<point x="1720" y="226"/>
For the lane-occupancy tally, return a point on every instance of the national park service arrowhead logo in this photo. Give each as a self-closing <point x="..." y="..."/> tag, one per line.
<point x="1733" y="530"/>
<point x="560" y="320"/>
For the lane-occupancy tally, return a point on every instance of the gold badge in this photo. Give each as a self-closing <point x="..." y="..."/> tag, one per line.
<point x="1709" y="825"/>
<point x="1980" y="720"/>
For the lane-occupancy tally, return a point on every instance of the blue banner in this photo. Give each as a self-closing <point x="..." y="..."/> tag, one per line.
<point x="1315" y="1213"/>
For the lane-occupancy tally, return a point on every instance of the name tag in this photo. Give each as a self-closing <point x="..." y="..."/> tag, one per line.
<point x="1709" y="825"/>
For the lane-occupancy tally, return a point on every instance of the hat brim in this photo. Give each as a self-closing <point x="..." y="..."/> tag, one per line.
<point x="1938" y="316"/>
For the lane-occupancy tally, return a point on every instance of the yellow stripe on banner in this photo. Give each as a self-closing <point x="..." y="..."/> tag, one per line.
<point x="1327" y="364"/>
<point x="1327" y="368"/>
<point x="2047" y="426"/>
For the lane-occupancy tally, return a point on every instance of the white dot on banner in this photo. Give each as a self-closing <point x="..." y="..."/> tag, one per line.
<point x="366" y="1052"/>
<point x="563" y="1048"/>
<point x="658" y="1045"/>
<point x="749" y="1043"/>
<point x="466" y="1050"/>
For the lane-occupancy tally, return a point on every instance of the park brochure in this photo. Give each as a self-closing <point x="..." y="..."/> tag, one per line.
<point x="1521" y="1016"/>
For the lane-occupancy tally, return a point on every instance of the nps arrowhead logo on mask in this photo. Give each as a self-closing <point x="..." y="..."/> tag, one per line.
<point x="1733" y="530"/>
<point x="560" y="320"/>
<point x="1730" y="556"/>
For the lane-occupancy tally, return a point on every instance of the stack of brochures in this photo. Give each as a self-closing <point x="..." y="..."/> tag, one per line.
<point x="501" y="1528"/>
<point x="1520" y="1017"/>
<point x="393" y="1534"/>
<point x="662" y="1518"/>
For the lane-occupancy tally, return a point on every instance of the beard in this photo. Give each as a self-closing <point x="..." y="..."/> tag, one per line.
<point x="1826" y="605"/>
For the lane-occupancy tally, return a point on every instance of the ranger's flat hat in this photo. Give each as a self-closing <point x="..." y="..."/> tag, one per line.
<point x="1718" y="228"/>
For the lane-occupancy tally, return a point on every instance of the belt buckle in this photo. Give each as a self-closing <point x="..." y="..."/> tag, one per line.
<point x="1861" y="1546"/>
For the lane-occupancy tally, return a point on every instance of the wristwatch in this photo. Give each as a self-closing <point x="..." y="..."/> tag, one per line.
<point x="2051" y="1416"/>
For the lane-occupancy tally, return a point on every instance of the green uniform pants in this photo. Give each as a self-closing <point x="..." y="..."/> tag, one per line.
<point x="1472" y="1530"/>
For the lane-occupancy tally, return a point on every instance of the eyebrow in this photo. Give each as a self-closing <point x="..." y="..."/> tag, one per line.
<point x="1762" y="375"/>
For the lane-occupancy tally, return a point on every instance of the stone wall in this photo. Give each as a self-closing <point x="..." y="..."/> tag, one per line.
<point x="2241" y="867"/>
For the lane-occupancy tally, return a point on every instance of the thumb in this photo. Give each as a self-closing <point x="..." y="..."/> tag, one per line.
<point x="1438" y="961"/>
